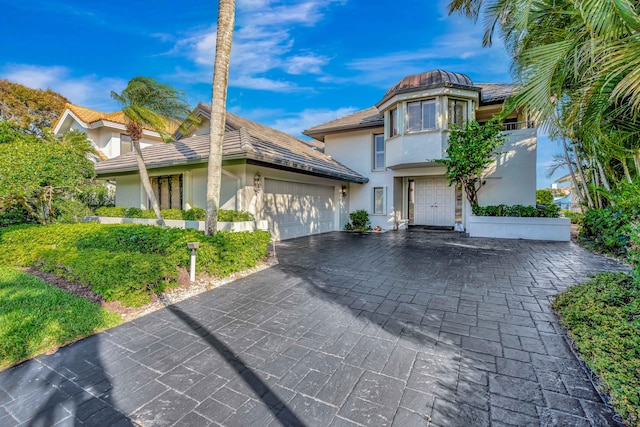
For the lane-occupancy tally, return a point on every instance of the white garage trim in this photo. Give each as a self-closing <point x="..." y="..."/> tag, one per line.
<point x="295" y="209"/>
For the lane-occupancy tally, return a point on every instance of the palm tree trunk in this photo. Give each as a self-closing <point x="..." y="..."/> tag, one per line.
<point x="625" y="168"/>
<point x="636" y="162"/>
<point x="603" y="176"/>
<point x="574" y="181"/>
<point x="146" y="183"/>
<point x="584" y="181"/>
<point x="224" y="36"/>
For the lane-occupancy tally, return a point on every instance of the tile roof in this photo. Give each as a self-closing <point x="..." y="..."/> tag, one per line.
<point x="367" y="118"/>
<point x="90" y="116"/>
<point x="243" y="139"/>
<point x="496" y="92"/>
<point x="371" y="117"/>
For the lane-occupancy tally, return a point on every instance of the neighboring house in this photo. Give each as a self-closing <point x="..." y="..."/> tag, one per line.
<point x="276" y="176"/>
<point x="106" y="131"/>
<point x="395" y="145"/>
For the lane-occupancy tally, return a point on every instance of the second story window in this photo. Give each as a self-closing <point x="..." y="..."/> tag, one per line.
<point x="457" y="112"/>
<point x="421" y="115"/>
<point x="378" y="152"/>
<point x="125" y="143"/>
<point x="393" y="122"/>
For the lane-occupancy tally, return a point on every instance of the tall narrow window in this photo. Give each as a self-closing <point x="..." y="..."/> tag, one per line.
<point x="421" y="115"/>
<point x="125" y="143"/>
<point x="393" y="122"/>
<point x="168" y="191"/>
<point x="378" y="152"/>
<point x="457" y="112"/>
<point x="378" y="200"/>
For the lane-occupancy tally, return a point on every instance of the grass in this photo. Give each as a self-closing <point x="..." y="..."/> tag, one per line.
<point x="36" y="317"/>
<point x="603" y="318"/>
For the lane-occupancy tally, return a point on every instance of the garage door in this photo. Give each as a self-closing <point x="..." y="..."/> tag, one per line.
<point x="435" y="202"/>
<point x="294" y="209"/>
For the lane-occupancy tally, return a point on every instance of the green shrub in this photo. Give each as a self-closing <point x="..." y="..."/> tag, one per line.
<point x="113" y="212"/>
<point x="194" y="214"/>
<point x="606" y="230"/>
<point x="125" y="261"/>
<point x="603" y="318"/>
<point x="171" y="213"/>
<point x="234" y="216"/>
<point x="70" y="211"/>
<point x="544" y="197"/>
<point x="548" y="211"/>
<point x="359" y="221"/>
<point x="13" y="215"/>
<point x="575" y="217"/>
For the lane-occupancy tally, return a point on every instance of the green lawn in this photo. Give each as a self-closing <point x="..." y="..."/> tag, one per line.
<point x="36" y="317"/>
<point x="603" y="318"/>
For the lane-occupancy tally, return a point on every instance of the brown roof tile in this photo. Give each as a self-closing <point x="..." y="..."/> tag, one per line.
<point x="367" y="118"/>
<point x="245" y="139"/>
<point x="89" y="116"/>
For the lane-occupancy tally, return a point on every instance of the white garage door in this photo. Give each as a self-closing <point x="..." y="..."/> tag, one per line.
<point x="435" y="202"/>
<point x="294" y="209"/>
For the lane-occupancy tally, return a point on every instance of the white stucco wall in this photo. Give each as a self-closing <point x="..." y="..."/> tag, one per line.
<point x="129" y="192"/>
<point x="512" y="180"/>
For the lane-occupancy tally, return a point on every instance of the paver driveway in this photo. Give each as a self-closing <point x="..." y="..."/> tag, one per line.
<point x="399" y="328"/>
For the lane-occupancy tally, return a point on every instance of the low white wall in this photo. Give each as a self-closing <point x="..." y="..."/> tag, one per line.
<point x="178" y="223"/>
<point x="502" y="227"/>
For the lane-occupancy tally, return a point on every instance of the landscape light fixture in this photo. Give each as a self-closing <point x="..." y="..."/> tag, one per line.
<point x="193" y="246"/>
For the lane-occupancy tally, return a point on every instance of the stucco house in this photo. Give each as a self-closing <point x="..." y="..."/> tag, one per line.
<point x="380" y="159"/>
<point x="277" y="177"/>
<point x="106" y="131"/>
<point x="396" y="142"/>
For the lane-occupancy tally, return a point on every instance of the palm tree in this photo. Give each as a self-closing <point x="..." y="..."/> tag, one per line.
<point x="580" y="58"/>
<point x="149" y="104"/>
<point x="224" y="36"/>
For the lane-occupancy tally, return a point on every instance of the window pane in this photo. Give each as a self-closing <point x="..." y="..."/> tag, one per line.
<point x="378" y="195"/>
<point x="393" y="122"/>
<point x="429" y="115"/>
<point x="413" y="116"/>
<point x="378" y="151"/>
<point x="461" y="110"/>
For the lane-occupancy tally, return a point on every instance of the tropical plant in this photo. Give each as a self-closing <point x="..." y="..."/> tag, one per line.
<point x="224" y="36"/>
<point x="147" y="104"/>
<point x="36" y="173"/>
<point x="471" y="150"/>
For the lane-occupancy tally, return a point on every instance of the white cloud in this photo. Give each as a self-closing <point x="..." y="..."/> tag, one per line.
<point x="89" y="90"/>
<point x="295" y="123"/>
<point x="262" y="45"/>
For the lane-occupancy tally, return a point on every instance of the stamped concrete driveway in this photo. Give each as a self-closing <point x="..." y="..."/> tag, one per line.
<point x="399" y="328"/>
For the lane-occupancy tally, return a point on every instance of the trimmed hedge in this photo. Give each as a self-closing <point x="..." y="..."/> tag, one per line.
<point x="127" y="262"/>
<point x="606" y="231"/>
<point x="193" y="214"/>
<point x="603" y="319"/>
<point x="548" y="211"/>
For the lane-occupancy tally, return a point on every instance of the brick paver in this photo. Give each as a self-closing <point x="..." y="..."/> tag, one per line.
<point x="389" y="329"/>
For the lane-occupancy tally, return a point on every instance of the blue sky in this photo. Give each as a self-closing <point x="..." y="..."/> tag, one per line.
<point x="295" y="64"/>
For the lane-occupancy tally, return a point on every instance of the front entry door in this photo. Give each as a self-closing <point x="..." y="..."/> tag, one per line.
<point x="434" y="202"/>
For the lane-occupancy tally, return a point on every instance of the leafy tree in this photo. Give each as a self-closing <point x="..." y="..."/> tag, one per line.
<point x="544" y="197"/>
<point x="36" y="173"/>
<point x="33" y="110"/>
<point x="471" y="150"/>
<point x="224" y="36"/>
<point x="149" y="104"/>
